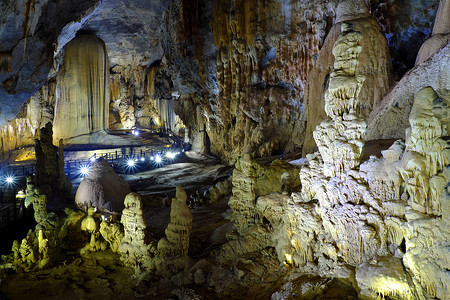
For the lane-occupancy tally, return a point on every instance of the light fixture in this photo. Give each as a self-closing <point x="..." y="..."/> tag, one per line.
<point x="135" y="132"/>
<point x="142" y="158"/>
<point x="130" y="163"/>
<point x="84" y="170"/>
<point x="158" y="159"/>
<point x="9" y="180"/>
<point x="171" y="155"/>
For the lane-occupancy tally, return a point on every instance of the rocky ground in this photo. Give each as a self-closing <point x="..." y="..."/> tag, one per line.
<point x="256" y="275"/>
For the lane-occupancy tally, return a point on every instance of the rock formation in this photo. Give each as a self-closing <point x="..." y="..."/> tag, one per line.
<point x="374" y="64"/>
<point x="102" y="188"/>
<point x="24" y="129"/>
<point x="82" y="105"/>
<point x="339" y="137"/>
<point x="50" y="177"/>
<point x="28" y="33"/>
<point x="112" y="232"/>
<point x="180" y="70"/>
<point x="91" y="225"/>
<point x="35" y="197"/>
<point x="176" y="242"/>
<point x="135" y="251"/>
<point x="389" y="119"/>
<point x="352" y="217"/>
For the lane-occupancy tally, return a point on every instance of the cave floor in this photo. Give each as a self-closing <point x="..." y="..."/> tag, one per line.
<point x="101" y="274"/>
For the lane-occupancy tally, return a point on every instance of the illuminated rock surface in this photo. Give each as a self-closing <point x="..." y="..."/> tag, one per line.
<point x="102" y="188"/>
<point x="374" y="64"/>
<point x="244" y="80"/>
<point x="82" y="104"/>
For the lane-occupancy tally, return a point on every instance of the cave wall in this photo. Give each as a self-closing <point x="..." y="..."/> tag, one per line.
<point x="235" y="73"/>
<point x="251" y="85"/>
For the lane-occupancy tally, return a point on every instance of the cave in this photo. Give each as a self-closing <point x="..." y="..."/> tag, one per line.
<point x="213" y="149"/>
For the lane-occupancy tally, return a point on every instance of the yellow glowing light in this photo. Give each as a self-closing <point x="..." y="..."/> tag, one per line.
<point x="288" y="258"/>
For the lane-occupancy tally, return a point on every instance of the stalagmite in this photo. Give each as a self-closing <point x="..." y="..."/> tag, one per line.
<point x="427" y="154"/>
<point x="176" y="242"/>
<point x="82" y="105"/>
<point x="339" y="137"/>
<point x="374" y="63"/>
<point x="134" y="250"/>
<point x="102" y="188"/>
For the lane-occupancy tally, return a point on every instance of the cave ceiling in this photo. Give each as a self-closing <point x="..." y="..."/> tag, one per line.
<point x="138" y="32"/>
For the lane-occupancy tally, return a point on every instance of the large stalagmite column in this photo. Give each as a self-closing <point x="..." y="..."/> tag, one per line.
<point x="82" y="105"/>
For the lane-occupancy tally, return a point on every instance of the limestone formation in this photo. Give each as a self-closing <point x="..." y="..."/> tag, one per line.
<point x="91" y="224"/>
<point x="50" y="176"/>
<point x="251" y="180"/>
<point x="28" y="38"/>
<point x="389" y="119"/>
<point x="112" y="232"/>
<point x="32" y="252"/>
<point x="176" y="242"/>
<point x="376" y="215"/>
<point x="374" y="64"/>
<point x="384" y="277"/>
<point x="70" y="235"/>
<point x="135" y="251"/>
<point x="36" y="112"/>
<point x="339" y="137"/>
<point x="82" y="105"/>
<point x="102" y="188"/>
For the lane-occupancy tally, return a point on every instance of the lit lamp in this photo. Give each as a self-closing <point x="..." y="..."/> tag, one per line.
<point x="9" y="180"/>
<point x="84" y="170"/>
<point x="20" y="195"/>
